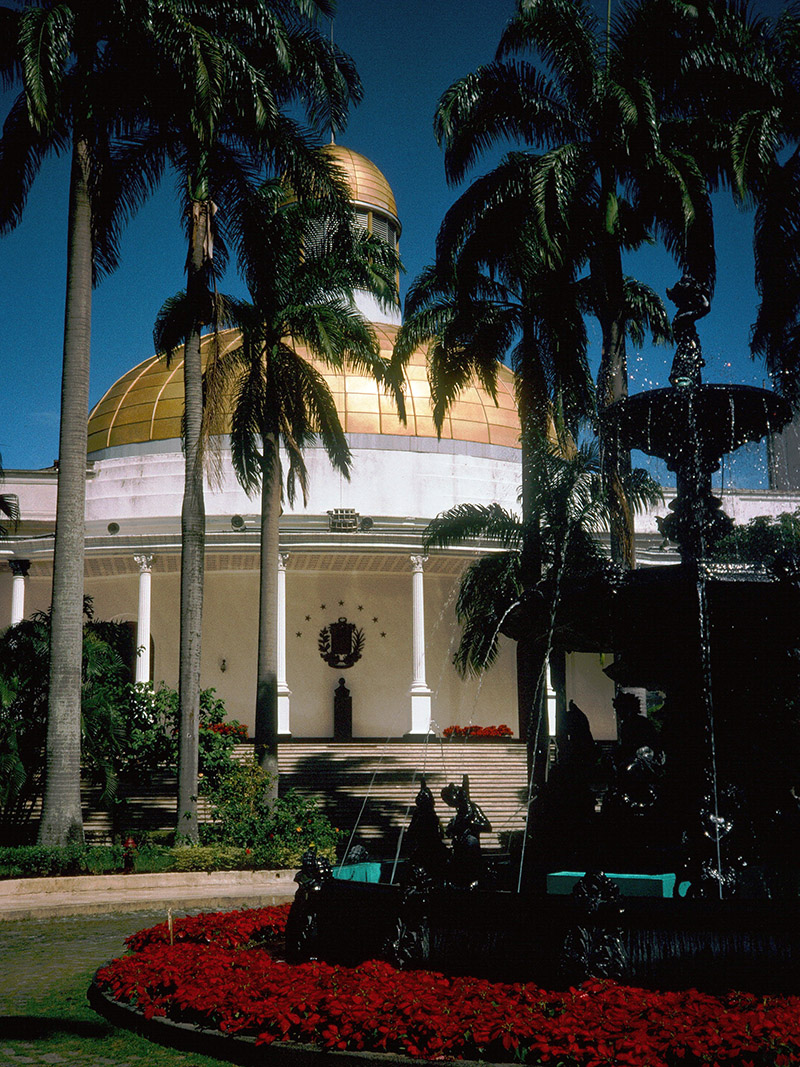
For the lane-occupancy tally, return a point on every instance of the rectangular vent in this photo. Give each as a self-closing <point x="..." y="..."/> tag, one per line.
<point x="343" y="519"/>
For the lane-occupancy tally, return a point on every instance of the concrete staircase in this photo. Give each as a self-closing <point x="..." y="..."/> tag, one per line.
<point x="367" y="785"/>
<point x="372" y="786"/>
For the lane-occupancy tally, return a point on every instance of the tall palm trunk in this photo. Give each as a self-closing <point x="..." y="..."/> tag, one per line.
<point x="612" y="386"/>
<point x="266" y="733"/>
<point x="531" y="656"/>
<point x="193" y="527"/>
<point x="61" y="814"/>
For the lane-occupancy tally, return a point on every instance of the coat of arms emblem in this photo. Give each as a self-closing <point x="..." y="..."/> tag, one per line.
<point x="341" y="643"/>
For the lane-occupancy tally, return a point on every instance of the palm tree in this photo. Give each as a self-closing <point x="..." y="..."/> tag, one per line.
<point x="302" y="263"/>
<point x="90" y="74"/>
<point x="568" y="509"/>
<point x="619" y="165"/>
<point x="765" y="172"/>
<point x="230" y="104"/>
<point x="501" y="288"/>
<point x="81" y="66"/>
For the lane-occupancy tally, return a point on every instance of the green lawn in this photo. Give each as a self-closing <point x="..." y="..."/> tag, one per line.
<point x="46" y="966"/>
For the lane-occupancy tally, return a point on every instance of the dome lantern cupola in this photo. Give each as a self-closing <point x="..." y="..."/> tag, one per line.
<point x="376" y="211"/>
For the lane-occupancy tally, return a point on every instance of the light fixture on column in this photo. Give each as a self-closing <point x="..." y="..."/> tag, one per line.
<point x="113" y="528"/>
<point x="237" y="522"/>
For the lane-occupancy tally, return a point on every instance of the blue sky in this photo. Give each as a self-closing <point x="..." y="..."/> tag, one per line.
<point x="407" y="52"/>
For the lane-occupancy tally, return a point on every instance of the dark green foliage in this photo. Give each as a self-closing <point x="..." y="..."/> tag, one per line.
<point x="127" y="731"/>
<point x="278" y="834"/>
<point x="767" y="542"/>
<point x="39" y="861"/>
<point x="150" y="718"/>
<point x="24" y="653"/>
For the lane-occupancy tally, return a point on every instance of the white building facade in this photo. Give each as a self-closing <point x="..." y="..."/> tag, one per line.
<point x="359" y="598"/>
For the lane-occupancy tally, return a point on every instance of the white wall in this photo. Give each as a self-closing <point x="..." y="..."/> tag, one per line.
<point x="593" y="691"/>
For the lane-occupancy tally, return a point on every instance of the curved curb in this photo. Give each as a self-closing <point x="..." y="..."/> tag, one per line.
<point x="42" y="898"/>
<point x="188" y="1037"/>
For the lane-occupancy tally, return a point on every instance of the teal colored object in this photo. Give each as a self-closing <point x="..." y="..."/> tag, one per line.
<point x="358" y="872"/>
<point x="560" y="883"/>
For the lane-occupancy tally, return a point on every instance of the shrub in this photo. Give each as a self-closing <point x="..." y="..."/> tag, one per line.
<point x="215" y="857"/>
<point x="153" y="859"/>
<point x="277" y="835"/>
<point x="151" y="731"/>
<point x="105" y="859"/>
<point x="38" y="861"/>
<point x="24" y="655"/>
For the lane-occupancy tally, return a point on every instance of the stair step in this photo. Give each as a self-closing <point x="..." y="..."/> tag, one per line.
<point x="368" y="785"/>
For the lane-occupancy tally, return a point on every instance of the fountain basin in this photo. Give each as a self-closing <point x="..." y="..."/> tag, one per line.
<point x="504" y="936"/>
<point x="705" y="421"/>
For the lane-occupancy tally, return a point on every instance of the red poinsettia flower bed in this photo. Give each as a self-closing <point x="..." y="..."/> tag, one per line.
<point x="478" y="731"/>
<point x="236" y="730"/>
<point x="222" y="972"/>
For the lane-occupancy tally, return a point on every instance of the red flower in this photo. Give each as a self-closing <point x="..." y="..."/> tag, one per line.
<point x="478" y="731"/>
<point x="221" y="971"/>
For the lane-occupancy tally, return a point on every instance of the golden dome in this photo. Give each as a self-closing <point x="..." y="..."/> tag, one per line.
<point x="146" y="404"/>
<point x="368" y="185"/>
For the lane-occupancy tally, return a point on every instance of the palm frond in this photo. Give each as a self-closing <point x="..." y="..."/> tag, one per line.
<point x="499" y="102"/>
<point x="489" y="588"/>
<point x="487" y="522"/>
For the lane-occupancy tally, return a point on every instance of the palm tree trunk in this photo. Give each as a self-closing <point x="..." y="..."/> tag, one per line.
<point x="531" y="704"/>
<point x="193" y="532"/>
<point x="62" y="820"/>
<point x="612" y="385"/>
<point x="266" y="733"/>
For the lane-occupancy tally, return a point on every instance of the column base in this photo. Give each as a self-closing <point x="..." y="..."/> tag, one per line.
<point x="420" y="711"/>
<point x="284" y="695"/>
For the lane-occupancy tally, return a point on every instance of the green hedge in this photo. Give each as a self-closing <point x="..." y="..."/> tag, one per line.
<point x="35" y="861"/>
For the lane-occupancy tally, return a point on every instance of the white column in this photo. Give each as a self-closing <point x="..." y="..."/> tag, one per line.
<point x="284" y="692"/>
<point x="19" y="568"/>
<point x="552" y="703"/>
<point x="420" y="693"/>
<point x="143" y="620"/>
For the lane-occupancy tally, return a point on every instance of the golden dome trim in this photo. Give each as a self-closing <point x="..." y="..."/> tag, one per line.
<point x="363" y="406"/>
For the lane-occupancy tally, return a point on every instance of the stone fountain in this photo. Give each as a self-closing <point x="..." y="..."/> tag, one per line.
<point x="712" y="637"/>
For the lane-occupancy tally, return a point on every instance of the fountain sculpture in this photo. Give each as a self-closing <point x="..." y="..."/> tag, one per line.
<point x="709" y="804"/>
<point x="711" y="638"/>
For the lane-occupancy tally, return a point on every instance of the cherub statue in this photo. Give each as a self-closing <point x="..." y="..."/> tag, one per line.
<point x="464" y="829"/>
<point x="692" y="301"/>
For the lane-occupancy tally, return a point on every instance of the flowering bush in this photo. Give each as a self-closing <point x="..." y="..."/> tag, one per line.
<point x="479" y="731"/>
<point x="222" y="972"/>
<point x="278" y="837"/>
<point x="236" y="730"/>
<point x="151" y="734"/>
